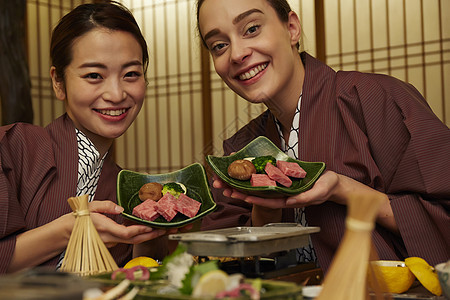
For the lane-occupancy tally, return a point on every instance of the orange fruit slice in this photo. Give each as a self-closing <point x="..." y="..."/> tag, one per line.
<point x="141" y="261"/>
<point x="425" y="274"/>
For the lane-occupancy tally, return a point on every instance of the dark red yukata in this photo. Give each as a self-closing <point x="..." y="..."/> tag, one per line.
<point x="379" y="131"/>
<point x="38" y="174"/>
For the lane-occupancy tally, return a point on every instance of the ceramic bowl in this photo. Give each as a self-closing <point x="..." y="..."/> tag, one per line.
<point x="443" y="271"/>
<point x="193" y="177"/>
<point x="392" y="276"/>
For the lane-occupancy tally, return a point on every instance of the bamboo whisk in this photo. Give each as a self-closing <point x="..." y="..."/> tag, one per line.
<point x="347" y="276"/>
<point x="86" y="254"/>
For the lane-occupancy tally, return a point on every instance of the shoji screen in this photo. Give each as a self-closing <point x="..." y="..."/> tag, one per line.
<point x="408" y="39"/>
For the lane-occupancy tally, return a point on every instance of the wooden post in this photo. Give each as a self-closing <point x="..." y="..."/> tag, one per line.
<point x="206" y="102"/>
<point x="15" y="86"/>
<point x="320" y="30"/>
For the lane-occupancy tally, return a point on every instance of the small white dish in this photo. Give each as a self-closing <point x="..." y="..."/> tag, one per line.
<point x="311" y="291"/>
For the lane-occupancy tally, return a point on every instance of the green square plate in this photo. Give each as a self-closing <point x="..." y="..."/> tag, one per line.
<point x="193" y="177"/>
<point x="259" y="147"/>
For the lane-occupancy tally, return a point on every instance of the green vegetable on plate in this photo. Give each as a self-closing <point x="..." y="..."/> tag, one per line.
<point x="261" y="161"/>
<point x="174" y="188"/>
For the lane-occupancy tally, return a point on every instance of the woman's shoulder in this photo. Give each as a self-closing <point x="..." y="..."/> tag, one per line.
<point x="23" y="146"/>
<point x="24" y="135"/>
<point x="374" y="87"/>
<point x="371" y="82"/>
<point x="22" y="131"/>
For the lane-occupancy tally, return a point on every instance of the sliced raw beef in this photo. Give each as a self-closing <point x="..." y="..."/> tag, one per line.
<point x="275" y="174"/>
<point x="262" y="180"/>
<point x="146" y="210"/>
<point x="166" y="206"/>
<point x="291" y="169"/>
<point x="187" y="206"/>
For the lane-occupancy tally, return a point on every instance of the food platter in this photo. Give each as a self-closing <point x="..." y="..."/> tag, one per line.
<point x="158" y="289"/>
<point x="272" y="290"/>
<point x="193" y="177"/>
<point x="262" y="146"/>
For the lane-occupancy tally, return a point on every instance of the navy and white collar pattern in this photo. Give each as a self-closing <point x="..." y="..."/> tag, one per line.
<point x="89" y="166"/>
<point x="291" y="147"/>
<point x="307" y="253"/>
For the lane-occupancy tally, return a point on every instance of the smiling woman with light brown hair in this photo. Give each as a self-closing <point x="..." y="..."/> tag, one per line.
<point x="375" y="133"/>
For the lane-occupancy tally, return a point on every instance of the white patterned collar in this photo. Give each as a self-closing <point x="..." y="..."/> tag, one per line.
<point x="306" y="253"/>
<point x="89" y="165"/>
<point x="291" y="148"/>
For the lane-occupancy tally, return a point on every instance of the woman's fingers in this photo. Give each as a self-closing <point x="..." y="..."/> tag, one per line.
<point x="112" y="232"/>
<point x="218" y="183"/>
<point x="238" y="195"/>
<point x="266" y="202"/>
<point x="137" y="239"/>
<point x="321" y="191"/>
<point x="105" y="207"/>
<point x="186" y="228"/>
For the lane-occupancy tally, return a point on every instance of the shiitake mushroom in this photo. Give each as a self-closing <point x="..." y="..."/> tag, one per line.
<point x="151" y="190"/>
<point x="241" y="169"/>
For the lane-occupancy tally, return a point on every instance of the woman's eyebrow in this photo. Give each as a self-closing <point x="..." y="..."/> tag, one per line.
<point x="211" y="34"/>
<point x="102" y="66"/>
<point x="132" y="63"/>
<point x="92" y="65"/>
<point x="246" y="14"/>
<point x="236" y="20"/>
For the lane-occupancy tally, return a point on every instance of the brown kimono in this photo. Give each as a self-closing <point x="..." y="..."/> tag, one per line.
<point x="379" y="131"/>
<point x="38" y="174"/>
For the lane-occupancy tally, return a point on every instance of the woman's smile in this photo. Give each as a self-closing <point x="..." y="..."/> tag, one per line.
<point x="112" y="115"/>
<point x="253" y="72"/>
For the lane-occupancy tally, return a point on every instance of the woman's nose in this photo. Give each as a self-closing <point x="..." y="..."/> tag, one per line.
<point x="239" y="52"/>
<point x="114" y="91"/>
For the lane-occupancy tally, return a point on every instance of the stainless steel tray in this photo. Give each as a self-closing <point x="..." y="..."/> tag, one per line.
<point x="246" y="241"/>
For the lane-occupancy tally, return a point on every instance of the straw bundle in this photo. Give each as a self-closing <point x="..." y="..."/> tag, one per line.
<point x="86" y="254"/>
<point x="347" y="276"/>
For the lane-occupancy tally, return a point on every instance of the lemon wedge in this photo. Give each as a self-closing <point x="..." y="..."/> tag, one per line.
<point x="425" y="274"/>
<point x="210" y="284"/>
<point x="141" y="261"/>
<point x="394" y="276"/>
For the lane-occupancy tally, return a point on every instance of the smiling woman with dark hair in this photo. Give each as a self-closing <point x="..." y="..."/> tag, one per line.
<point x="99" y="60"/>
<point x="375" y="133"/>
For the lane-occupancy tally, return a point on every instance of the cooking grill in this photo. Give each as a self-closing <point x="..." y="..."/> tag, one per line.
<point x="266" y="252"/>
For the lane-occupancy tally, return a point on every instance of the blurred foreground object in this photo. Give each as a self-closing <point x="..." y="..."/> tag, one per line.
<point x="42" y="283"/>
<point x="86" y="254"/>
<point x="347" y="276"/>
<point x="443" y="271"/>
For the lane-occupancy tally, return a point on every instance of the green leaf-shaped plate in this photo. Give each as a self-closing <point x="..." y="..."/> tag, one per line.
<point x="259" y="147"/>
<point x="193" y="177"/>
